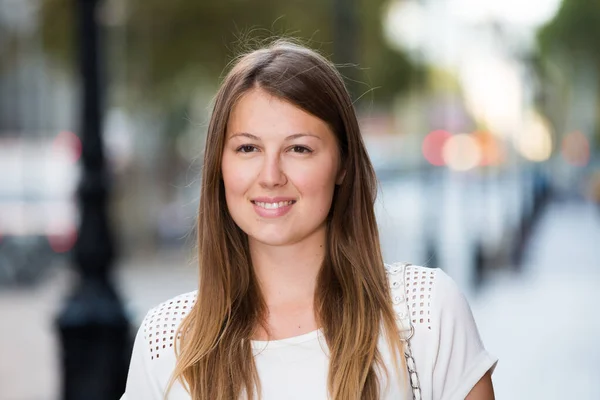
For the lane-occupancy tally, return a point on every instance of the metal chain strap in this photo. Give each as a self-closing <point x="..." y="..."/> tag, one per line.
<point x="397" y="276"/>
<point x="412" y="371"/>
<point x="415" y="385"/>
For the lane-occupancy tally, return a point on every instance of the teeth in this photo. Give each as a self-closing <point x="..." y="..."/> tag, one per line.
<point x="272" y="206"/>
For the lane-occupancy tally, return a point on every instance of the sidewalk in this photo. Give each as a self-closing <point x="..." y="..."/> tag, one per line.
<point x="30" y="363"/>
<point x="542" y="323"/>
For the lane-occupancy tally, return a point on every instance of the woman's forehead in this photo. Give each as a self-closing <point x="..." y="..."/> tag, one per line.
<point x="258" y="114"/>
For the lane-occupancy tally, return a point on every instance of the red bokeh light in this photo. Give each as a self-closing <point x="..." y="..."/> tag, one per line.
<point x="433" y="145"/>
<point x="63" y="242"/>
<point x="576" y="149"/>
<point x="68" y="142"/>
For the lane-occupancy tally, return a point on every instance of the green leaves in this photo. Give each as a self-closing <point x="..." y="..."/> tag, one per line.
<point x="575" y="30"/>
<point x="159" y="50"/>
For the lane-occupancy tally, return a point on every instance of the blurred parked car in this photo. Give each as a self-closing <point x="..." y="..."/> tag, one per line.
<point x="37" y="211"/>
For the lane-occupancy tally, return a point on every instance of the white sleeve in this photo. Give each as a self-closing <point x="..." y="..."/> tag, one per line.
<point x="461" y="359"/>
<point x="141" y="384"/>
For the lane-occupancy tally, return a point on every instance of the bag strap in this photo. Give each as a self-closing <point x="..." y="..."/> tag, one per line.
<point x="397" y="275"/>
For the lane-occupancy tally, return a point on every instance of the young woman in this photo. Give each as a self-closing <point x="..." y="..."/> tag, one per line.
<point x="294" y="299"/>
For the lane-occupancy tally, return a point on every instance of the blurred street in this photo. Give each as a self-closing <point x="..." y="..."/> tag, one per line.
<point x="540" y="322"/>
<point x="481" y="119"/>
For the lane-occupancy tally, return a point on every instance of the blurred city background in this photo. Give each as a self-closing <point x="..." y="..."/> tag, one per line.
<point x="481" y="118"/>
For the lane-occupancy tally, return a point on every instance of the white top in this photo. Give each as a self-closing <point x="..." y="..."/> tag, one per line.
<point x="449" y="355"/>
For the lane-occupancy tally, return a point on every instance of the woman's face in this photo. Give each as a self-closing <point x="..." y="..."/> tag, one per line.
<point x="280" y="166"/>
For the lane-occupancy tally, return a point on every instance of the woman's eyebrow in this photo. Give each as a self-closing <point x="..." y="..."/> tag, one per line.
<point x="291" y="137"/>
<point x="244" y="134"/>
<point x="299" y="135"/>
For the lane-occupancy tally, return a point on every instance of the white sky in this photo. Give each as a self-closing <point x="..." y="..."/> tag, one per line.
<point x="530" y="13"/>
<point x="439" y="30"/>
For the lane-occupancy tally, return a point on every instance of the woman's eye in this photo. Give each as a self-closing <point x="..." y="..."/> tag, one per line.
<point x="301" y="149"/>
<point x="246" y="148"/>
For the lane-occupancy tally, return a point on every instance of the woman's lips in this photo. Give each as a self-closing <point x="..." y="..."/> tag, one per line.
<point x="272" y="209"/>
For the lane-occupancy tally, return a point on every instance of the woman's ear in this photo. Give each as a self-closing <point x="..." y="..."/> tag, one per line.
<point x="340" y="177"/>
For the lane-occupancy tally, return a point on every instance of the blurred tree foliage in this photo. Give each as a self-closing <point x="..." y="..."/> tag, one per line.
<point x="573" y="36"/>
<point x="171" y="47"/>
<point x="575" y="30"/>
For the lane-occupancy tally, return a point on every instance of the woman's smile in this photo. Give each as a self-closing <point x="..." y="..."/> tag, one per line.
<point x="272" y="208"/>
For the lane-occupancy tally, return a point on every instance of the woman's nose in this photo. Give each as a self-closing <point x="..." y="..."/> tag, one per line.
<point x="272" y="174"/>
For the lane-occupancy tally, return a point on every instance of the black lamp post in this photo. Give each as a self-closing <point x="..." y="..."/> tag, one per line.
<point x="93" y="327"/>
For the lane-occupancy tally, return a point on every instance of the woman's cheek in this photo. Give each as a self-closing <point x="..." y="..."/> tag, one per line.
<point x="317" y="183"/>
<point x="238" y="175"/>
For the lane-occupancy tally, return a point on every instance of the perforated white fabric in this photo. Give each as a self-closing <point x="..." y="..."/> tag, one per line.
<point x="161" y="323"/>
<point x="419" y="288"/>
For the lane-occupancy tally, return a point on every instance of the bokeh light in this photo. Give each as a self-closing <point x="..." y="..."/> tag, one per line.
<point x="61" y="237"/>
<point x="496" y="103"/>
<point x="575" y="149"/>
<point x="433" y="145"/>
<point x="462" y="152"/>
<point x="534" y="142"/>
<point x="67" y="144"/>
<point x="491" y="149"/>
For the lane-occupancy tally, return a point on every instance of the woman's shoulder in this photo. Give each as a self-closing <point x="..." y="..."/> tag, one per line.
<point x="412" y="288"/>
<point x="427" y="301"/>
<point x="175" y="306"/>
<point x="153" y="358"/>
<point x="424" y="293"/>
<point x="449" y="354"/>
<point x="159" y="327"/>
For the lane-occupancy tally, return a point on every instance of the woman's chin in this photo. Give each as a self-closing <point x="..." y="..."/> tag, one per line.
<point x="271" y="240"/>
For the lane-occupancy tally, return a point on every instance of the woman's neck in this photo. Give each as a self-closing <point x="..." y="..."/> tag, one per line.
<point x="288" y="274"/>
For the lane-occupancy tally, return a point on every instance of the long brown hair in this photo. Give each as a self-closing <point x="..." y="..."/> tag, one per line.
<point x="352" y="300"/>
